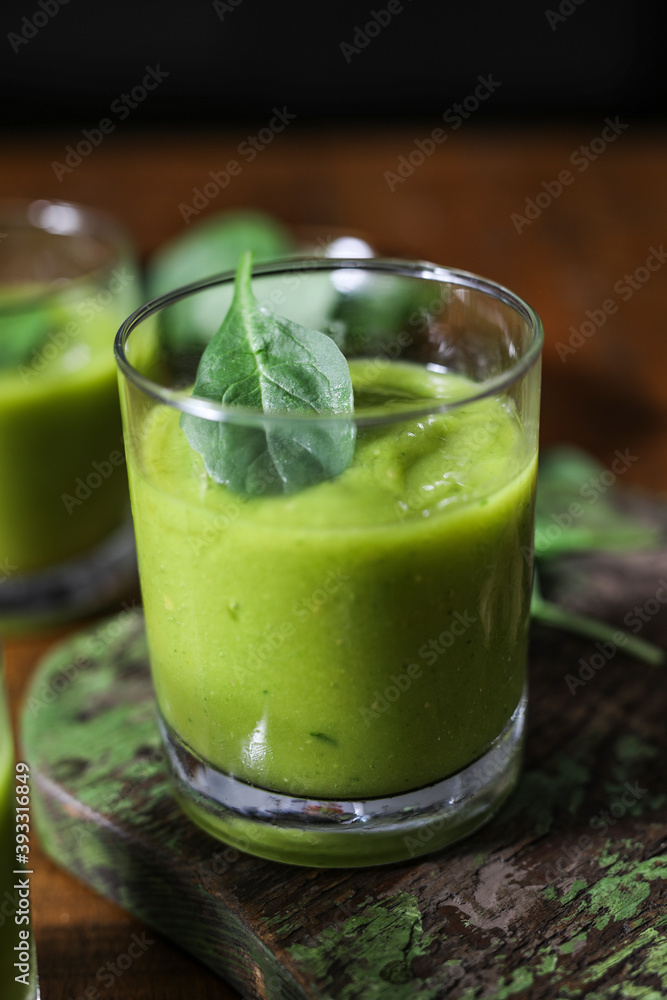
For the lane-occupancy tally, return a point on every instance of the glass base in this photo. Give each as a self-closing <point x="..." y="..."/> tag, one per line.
<point x="89" y="583"/>
<point x="335" y="834"/>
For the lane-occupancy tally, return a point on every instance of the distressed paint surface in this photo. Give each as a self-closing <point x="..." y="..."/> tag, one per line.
<point x="563" y="896"/>
<point x="381" y="944"/>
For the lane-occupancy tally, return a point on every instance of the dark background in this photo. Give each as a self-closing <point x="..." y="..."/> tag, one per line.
<point x="604" y="58"/>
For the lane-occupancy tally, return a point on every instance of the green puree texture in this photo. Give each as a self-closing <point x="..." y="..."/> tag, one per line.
<point x="58" y="415"/>
<point x="363" y="637"/>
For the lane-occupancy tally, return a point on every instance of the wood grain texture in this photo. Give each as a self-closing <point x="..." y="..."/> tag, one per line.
<point x="77" y="931"/>
<point x="563" y="895"/>
<point x="455" y="209"/>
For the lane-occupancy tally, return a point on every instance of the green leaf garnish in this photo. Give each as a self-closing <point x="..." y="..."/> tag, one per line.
<point x="374" y="312"/>
<point x="269" y="364"/>
<point x="207" y="248"/>
<point x="548" y="613"/>
<point x="576" y="512"/>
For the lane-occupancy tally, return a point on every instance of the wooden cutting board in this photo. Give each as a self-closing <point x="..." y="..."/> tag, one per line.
<point x="563" y="896"/>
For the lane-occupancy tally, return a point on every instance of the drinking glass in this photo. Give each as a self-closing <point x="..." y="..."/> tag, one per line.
<point x="340" y="668"/>
<point x="67" y="279"/>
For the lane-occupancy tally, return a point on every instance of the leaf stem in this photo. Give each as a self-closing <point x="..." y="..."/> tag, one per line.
<point x="550" y="614"/>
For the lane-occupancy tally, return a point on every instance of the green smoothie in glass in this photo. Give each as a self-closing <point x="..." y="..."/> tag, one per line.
<point x="308" y="604"/>
<point x="358" y="640"/>
<point x="59" y="422"/>
<point x="66" y="281"/>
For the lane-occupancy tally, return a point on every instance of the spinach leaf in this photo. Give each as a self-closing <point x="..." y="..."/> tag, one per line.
<point x="558" y="617"/>
<point x="369" y="317"/>
<point x="275" y="366"/>
<point x="208" y="248"/>
<point x="570" y="480"/>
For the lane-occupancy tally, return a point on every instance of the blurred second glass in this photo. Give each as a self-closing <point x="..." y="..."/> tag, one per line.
<point x="67" y="280"/>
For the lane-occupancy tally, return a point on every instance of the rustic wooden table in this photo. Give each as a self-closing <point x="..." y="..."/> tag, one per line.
<point x="585" y="250"/>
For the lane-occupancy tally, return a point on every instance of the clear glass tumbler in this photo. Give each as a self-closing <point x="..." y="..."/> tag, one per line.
<point x="340" y="670"/>
<point x="67" y="280"/>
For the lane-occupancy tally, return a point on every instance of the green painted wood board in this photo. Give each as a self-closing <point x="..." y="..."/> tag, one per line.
<point x="563" y="895"/>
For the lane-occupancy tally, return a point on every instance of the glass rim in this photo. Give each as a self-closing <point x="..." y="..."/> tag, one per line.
<point x="15" y="214"/>
<point x="220" y="413"/>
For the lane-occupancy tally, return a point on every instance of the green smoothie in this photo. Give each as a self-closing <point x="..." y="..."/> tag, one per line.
<point x="362" y="637"/>
<point x="61" y="454"/>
